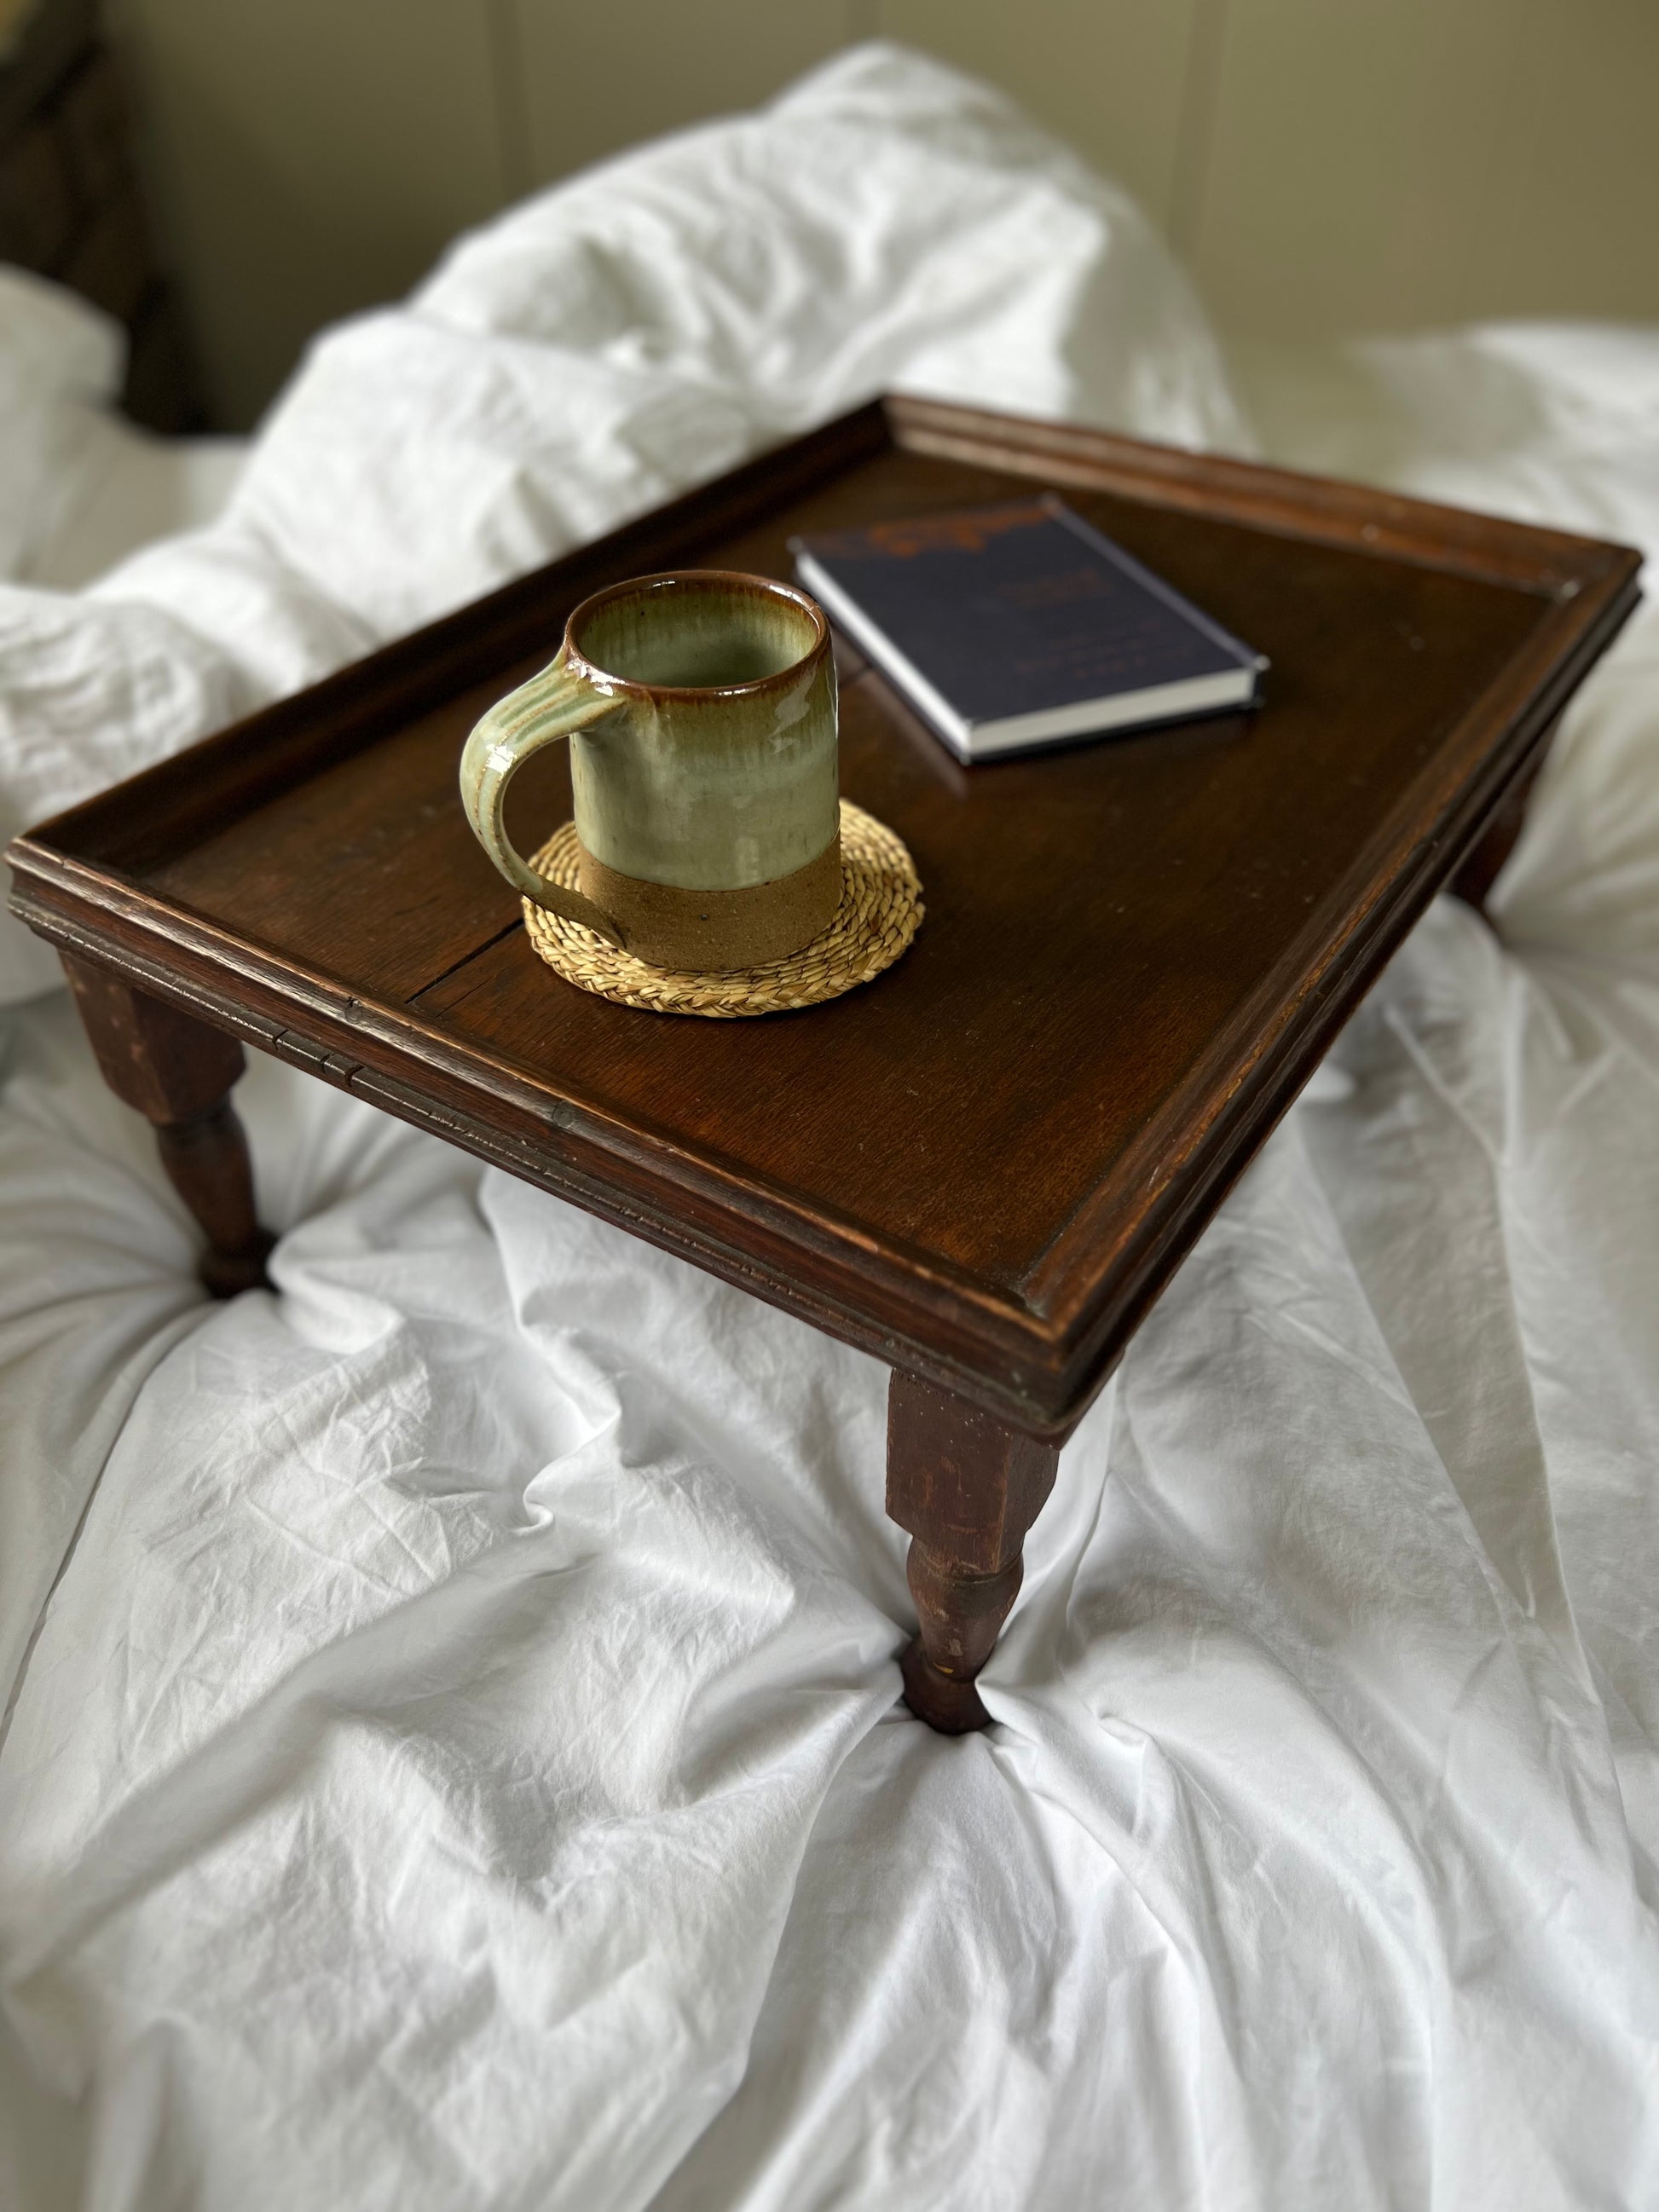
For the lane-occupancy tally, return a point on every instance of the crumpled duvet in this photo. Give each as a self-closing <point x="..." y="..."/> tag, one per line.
<point x="455" y="1758"/>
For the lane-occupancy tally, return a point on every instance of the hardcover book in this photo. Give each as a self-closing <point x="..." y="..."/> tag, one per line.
<point x="1011" y="627"/>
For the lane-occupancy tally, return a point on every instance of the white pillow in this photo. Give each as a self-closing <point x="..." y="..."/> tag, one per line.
<point x="61" y="364"/>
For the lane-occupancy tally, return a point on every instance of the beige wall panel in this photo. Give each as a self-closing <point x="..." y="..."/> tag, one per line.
<point x="1322" y="164"/>
<point x="1576" y="229"/>
<point x="599" y="77"/>
<point x="1110" y="76"/>
<point x="307" y="159"/>
<point x="1399" y="162"/>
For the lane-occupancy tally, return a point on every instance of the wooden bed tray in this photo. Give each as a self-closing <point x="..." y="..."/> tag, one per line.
<point x="983" y="1167"/>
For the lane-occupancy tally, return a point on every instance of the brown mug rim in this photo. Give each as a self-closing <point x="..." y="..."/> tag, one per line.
<point x="603" y="680"/>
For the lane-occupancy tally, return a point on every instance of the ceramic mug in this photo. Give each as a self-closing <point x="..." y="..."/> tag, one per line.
<point x="700" y="712"/>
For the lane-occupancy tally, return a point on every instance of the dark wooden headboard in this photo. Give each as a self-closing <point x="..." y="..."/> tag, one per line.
<point x="71" y="206"/>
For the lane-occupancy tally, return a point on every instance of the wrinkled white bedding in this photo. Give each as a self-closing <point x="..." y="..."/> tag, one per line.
<point x="457" y="1764"/>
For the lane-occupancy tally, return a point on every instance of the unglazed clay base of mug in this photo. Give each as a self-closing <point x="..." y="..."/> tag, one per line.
<point x="711" y="930"/>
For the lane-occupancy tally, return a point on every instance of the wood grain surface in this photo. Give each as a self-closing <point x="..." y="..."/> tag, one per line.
<point x="984" y="1166"/>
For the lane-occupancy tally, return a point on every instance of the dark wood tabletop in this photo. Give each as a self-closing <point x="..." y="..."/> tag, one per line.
<point x="985" y="1165"/>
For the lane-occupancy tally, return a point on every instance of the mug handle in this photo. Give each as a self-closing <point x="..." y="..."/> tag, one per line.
<point x="548" y="708"/>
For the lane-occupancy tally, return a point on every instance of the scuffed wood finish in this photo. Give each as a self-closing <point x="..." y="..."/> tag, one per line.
<point x="968" y="1488"/>
<point x="179" y="1073"/>
<point x="983" y="1167"/>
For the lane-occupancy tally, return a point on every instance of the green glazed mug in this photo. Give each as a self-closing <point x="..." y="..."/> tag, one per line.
<point x="701" y="713"/>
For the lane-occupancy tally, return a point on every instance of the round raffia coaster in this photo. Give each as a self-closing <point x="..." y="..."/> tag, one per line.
<point x="880" y="912"/>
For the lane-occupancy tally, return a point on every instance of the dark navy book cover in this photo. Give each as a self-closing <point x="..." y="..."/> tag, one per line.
<point x="1011" y="614"/>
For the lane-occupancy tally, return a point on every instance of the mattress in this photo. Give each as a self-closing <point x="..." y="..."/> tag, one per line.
<point x="453" y="1754"/>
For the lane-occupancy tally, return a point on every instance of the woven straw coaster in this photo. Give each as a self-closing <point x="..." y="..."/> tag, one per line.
<point x="880" y="912"/>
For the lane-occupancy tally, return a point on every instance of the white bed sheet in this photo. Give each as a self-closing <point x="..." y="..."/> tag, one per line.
<point x="458" y="1764"/>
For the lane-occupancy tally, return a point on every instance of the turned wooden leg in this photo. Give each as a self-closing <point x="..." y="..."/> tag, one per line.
<point x="966" y="1488"/>
<point x="1480" y="866"/>
<point x="179" y="1072"/>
